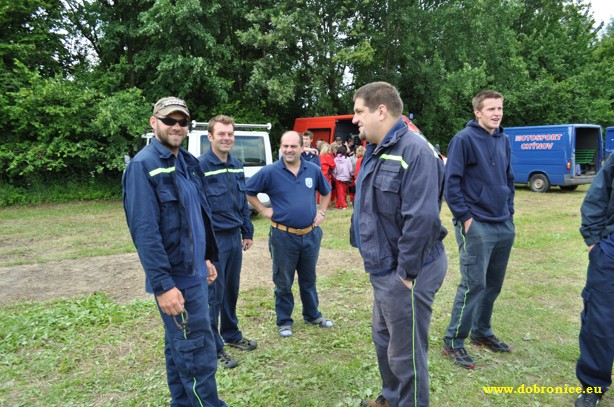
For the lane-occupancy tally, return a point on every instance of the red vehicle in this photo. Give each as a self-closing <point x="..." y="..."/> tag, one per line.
<point x="328" y="128"/>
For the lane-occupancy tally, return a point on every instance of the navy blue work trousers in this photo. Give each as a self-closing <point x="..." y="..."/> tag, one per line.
<point x="594" y="367"/>
<point x="224" y="292"/>
<point x="484" y="252"/>
<point x="191" y="359"/>
<point x="293" y="253"/>
<point x="400" y="326"/>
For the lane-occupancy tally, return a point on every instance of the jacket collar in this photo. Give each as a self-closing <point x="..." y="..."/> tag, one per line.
<point x="393" y="135"/>
<point x="215" y="160"/>
<point x="163" y="152"/>
<point x="474" y="123"/>
<point x="166" y="154"/>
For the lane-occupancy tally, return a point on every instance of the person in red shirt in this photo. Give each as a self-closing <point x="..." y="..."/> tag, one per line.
<point x="359" y="153"/>
<point x="327" y="163"/>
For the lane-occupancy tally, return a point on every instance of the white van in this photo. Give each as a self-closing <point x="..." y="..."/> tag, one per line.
<point x="252" y="147"/>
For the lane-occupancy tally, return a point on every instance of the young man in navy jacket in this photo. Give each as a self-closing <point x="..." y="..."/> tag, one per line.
<point x="225" y="179"/>
<point x="480" y="193"/>
<point x="399" y="234"/>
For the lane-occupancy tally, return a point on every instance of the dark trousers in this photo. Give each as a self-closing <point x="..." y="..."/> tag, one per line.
<point x="191" y="359"/>
<point x="594" y="367"/>
<point x="400" y="326"/>
<point x="484" y="252"/>
<point x="292" y="253"/>
<point x="224" y="292"/>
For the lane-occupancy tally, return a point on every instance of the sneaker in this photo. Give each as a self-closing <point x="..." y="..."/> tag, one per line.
<point x="321" y="322"/>
<point x="491" y="342"/>
<point x="459" y="356"/>
<point x="588" y="400"/>
<point x="378" y="402"/>
<point x="243" y="344"/>
<point x="285" y="331"/>
<point x="224" y="360"/>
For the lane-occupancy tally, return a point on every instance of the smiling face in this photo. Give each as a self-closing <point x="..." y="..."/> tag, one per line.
<point x="222" y="139"/>
<point x="291" y="148"/>
<point x="171" y="137"/>
<point x="490" y="115"/>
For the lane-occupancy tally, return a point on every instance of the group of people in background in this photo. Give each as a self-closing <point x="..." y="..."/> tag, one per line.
<point x="340" y="163"/>
<point x="190" y="223"/>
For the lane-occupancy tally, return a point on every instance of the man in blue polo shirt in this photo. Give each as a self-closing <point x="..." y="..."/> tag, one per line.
<point x="295" y="236"/>
<point x="225" y="180"/>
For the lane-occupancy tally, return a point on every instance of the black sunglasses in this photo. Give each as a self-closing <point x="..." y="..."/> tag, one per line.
<point x="169" y="121"/>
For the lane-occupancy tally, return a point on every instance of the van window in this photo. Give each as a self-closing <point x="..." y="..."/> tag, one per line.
<point x="250" y="150"/>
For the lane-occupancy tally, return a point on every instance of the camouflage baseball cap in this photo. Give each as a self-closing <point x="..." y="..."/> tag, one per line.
<point x="168" y="105"/>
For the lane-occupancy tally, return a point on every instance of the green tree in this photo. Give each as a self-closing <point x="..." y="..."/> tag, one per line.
<point x="303" y="60"/>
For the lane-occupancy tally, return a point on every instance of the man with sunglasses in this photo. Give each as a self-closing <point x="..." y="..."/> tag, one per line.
<point x="234" y="231"/>
<point x="170" y="224"/>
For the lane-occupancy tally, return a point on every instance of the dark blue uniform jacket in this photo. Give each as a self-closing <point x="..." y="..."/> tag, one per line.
<point x="398" y="200"/>
<point x="225" y="189"/>
<point x="157" y="218"/>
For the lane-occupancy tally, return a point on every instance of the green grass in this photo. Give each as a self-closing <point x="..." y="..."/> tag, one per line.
<point x="38" y="234"/>
<point x="90" y="351"/>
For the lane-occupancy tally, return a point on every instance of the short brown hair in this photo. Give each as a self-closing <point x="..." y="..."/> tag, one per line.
<point x="308" y="134"/>
<point x="381" y="93"/>
<point x="478" y="100"/>
<point x="220" y="118"/>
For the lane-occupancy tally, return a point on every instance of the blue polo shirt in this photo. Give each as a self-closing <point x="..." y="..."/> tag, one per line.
<point x="293" y="198"/>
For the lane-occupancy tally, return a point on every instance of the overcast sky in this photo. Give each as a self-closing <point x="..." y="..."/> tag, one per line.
<point x="603" y="10"/>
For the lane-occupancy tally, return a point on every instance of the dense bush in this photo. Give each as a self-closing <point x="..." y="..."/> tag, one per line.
<point x="59" y="188"/>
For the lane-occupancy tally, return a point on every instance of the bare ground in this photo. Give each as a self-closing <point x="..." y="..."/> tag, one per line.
<point x="122" y="278"/>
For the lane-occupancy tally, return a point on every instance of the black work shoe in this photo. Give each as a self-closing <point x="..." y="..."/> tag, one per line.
<point x="588" y="400"/>
<point x="491" y="342"/>
<point x="243" y="344"/>
<point x="224" y="360"/>
<point x="459" y="356"/>
<point x="379" y="402"/>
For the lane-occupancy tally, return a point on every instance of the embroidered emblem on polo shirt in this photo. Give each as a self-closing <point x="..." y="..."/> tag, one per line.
<point x="309" y="182"/>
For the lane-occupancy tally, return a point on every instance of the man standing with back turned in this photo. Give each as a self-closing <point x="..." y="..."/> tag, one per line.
<point x="295" y="234"/>
<point x="170" y="224"/>
<point x="225" y="180"/>
<point x="480" y="193"/>
<point x="399" y="234"/>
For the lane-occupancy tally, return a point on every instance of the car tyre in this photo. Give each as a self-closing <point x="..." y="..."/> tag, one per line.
<point x="539" y="183"/>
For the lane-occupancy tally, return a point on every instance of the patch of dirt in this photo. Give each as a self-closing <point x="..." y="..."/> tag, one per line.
<point x="122" y="278"/>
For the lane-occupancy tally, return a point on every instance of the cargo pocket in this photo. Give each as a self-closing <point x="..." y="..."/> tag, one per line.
<point x="388" y="184"/>
<point x="187" y="354"/>
<point x="467" y="262"/>
<point x="217" y="194"/>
